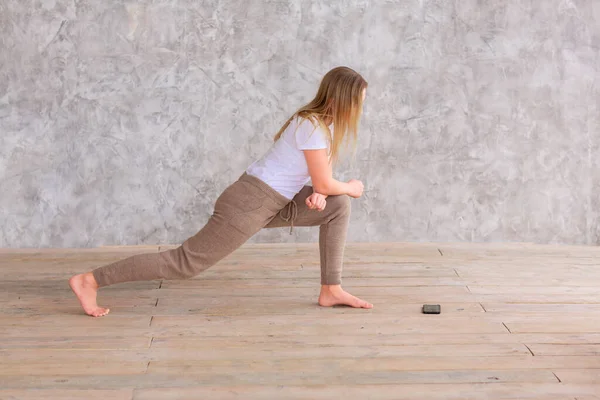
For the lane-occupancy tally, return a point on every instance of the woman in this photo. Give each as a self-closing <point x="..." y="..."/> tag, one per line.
<point x="271" y="193"/>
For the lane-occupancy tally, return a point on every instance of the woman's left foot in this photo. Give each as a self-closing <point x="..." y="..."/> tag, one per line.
<point x="334" y="295"/>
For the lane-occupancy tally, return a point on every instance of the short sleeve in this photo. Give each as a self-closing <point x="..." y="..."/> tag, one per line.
<point x="309" y="136"/>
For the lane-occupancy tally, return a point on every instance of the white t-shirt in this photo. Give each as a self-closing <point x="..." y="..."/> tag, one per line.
<point x="284" y="166"/>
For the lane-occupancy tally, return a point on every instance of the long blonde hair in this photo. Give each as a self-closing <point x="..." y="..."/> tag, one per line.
<point x="338" y="101"/>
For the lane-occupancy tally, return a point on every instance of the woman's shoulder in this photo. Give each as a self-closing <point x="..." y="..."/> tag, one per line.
<point x="308" y="133"/>
<point x="306" y="121"/>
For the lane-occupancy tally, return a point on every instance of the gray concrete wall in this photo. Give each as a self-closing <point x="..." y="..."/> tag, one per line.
<point x="121" y="122"/>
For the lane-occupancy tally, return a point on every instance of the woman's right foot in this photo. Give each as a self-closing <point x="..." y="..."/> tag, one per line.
<point x="85" y="288"/>
<point x="334" y="295"/>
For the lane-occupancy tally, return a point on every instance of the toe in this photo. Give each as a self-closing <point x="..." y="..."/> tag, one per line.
<point x="364" y="304"/>
<point x="356" y="302"/>
<point x="100" y="312"/>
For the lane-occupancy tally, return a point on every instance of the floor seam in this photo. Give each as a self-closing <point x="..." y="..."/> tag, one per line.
<point x="529" y="349"/>
<point x="556" y="376"/>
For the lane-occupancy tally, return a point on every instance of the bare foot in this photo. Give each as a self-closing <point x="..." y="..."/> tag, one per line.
<point x="85" y="288"/>
<point x="332" y="295"/>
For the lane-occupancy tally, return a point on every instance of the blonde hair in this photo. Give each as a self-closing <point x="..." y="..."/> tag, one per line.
<point x="338" y="101"/>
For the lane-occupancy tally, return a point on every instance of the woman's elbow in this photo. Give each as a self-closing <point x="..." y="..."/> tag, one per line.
<point x="320" y="188"/>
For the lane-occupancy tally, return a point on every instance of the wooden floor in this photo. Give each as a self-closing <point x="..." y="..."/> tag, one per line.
<point x="518" y="322"/>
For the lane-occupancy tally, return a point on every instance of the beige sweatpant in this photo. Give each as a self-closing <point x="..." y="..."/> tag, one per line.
<point x="244" y="208"/>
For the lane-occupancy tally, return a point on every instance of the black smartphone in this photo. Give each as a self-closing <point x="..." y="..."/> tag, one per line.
<point x="432" y="309"/>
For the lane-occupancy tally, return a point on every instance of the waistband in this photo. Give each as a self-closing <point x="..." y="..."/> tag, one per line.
<point x="259" y="183"/>
<point x="281" y="200"/>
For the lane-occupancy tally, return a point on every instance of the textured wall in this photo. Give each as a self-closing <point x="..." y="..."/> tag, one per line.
<point x="121" y="122"/>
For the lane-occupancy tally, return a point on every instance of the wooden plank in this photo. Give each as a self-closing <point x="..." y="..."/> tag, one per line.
<point x="515" y="268"/>
<point x="526" y="267"/>
<point x="109" y="381"/>
<point x="536" y="298"/>
<point x="329" y="317"/>
<point x="300" y="372"/>
<point x="66" y="394"/>
<point x="39" y="355"/>
<point x="196" y="350"/>
<point x="67" y="321"/>
<point x="442" y="332"/>
<point x="348" y="325"/>
<point x="124" y="308"/>
<point x="546" y="349"/>
<point x="65" y="341"/>
<point x="558" y="344"/>
<point x="168" y="386"/>
<point x="555" y="325"/>
<point x="504" y="252"/>
<point x="100" y="330"/>
<point x="452" y="391"/>
<point x="354" y="329"/>
<point x="539" y="281"/>
<point x="414" y="339"/>
<point x="91" y="367"/>
<point x="351" y="366"/>
<point x="65" y="296"/>
<point x="544" y="290"/>
<point x="542" y="309"/>
<point x="291" y="306"/>
<point x="129" y="299"/>
<point x="579" y="375"/>
<point x="191" y="350"/>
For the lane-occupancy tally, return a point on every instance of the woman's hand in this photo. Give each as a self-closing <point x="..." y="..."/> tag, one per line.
<point x="316" y="201"/>
<point x="356" y="188"/>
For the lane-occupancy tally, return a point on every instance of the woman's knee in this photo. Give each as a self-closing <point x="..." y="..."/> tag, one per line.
<point x="340" y="203"/>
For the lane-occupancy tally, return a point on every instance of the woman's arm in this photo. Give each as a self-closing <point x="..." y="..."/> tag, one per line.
<point x="321" y="175"/>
